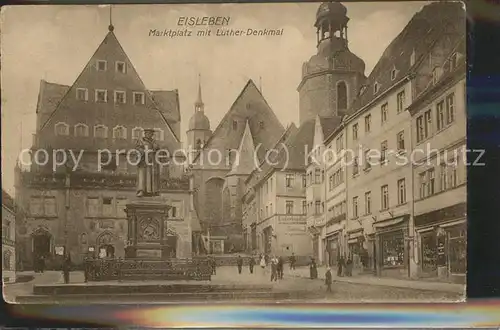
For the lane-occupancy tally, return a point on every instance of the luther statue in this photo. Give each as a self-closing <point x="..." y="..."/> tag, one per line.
<point x="148" y="168"/>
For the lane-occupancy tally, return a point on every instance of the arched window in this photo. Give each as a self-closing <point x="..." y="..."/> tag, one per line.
<point x="137" y="133"/>
<point x="100" y="131"/>
<point x="119" y="132"/>
<point x="341" y="96"/>
<point x="62" y="129"/>
<point x="81" y="130"/>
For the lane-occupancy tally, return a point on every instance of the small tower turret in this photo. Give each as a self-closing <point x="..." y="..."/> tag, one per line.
<point x="199" y="125"/>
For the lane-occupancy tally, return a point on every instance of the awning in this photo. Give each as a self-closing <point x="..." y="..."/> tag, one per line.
<point x="390" y="222"/>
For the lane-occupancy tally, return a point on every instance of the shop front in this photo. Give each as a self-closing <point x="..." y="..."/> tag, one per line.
<point x="442" y="238"/>
<point x="392" y="247"/>
<point x="333" y="249"/>
<point x="357" y="249"/>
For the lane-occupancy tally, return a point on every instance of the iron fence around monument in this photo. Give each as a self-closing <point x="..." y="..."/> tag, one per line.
<point x="138" y="269"/>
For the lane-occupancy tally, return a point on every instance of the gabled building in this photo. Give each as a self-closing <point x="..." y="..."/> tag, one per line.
<point x="79" y="206"/>
<point x="219" y="169"/>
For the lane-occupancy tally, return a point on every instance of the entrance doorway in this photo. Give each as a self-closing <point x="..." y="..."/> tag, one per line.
<point x="41" y="245"/>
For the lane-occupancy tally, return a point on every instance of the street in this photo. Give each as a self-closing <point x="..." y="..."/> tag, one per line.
<point x="294" y="280"/>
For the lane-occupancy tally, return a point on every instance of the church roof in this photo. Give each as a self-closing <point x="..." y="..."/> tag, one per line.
<point x="7" y="201"/>
<point x="199" y="121"/>
<point x="329" y="124"/>
<point x="418" y="35"/>
<point x="70" y="110"/>
<point x="245" y="163"/>
<point x="250" y="106"/>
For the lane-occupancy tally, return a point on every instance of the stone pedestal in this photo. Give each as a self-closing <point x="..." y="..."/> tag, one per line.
<point x="147" y="223"/>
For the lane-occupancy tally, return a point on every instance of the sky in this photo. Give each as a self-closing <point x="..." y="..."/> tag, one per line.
<point x="55" y="43"/>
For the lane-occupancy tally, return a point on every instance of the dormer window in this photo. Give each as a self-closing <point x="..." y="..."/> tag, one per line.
<point x="119" y="132"/>
<point x="137" y="133"/>
<point x="81" y="130"/>
<point x="412" y="58"/>
<point x="119" y="97"/>
<point x="120" y="67"/>
<point x="261" y="124"/>
<point x="436" y="74"/>
<point x="393" y="74"/>
<point x="102" y="65"/>
<point x="453" y="61"/>
<point x="375" y="88"/>
<point x="235" y="125"/>
<point x="138" y="97"/>
<point x="82" y="94"/>
<point x="62" y="129"/>
<point x="101" y="95"/>
<point x="100" y="131"/>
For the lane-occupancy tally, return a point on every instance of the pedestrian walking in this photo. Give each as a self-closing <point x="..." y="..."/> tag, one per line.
<point x="66" y="268"/>
<point x="349" y="265"/>
<point x="251" y="264"/>
<point x="42" y="263"/>
<point x="328" y="279"/>
<point x="280" y="267"/>
<point x="340" y="266"/>
<point x="274" y="269"/>
<point x="292" y="261"/>
<point x="263" y="264"/>
<point x="213" y="264"/>
<point x="239" y="263"/>
<point x="313" y="269"/>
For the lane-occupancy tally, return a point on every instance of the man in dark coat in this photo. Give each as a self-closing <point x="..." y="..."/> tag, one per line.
<point x="239" y="262"/>
<point x="313" y="270"/>
<point x="328" y="280"/>
<point x="280" y="267"/>
<point x="292" y="261"/>
<point x="213" y="263"/>
<point x="251" y="264"/>
<point x="66" y="268"/>
<point x="340" y="266"/>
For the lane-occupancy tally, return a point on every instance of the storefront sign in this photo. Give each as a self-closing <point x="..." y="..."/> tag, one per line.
<point x="292" y="220"/>
<point x="448" y="213"/>
<point x="441" y="250"/>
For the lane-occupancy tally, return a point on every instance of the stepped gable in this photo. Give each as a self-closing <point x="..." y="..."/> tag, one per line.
<point x="249" y="106"/>
<point x="246" y="163"/>
<point x="432" y="19"/>
<point x="72" y="111"/>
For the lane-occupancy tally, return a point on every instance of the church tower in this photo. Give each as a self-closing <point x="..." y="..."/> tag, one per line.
<point x="199" y="126"/>
<point x="333" y="76"/>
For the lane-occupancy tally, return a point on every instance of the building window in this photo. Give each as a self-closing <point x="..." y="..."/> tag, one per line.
<point x="81" y="130"/>
<point x="443" y="177"/>
<point x="440" y="123"/>
<point x="401" y="141"/>
<point x="383" y="112"/>
<point x="93" y="206"/>
<point x="412" y="57"/>
<point x="420" y="128"/>
<point x="452" y="172"/>
<point x="385" y="197"/>
<point x="121" y="204"/>
<point x="36" y="206"/>
<point x="102" y="65"/>
<point x="120" y="67"/>
<point x="119" y="132"/>
<point x="235" y="125"/>
<point x="436" y="74"/>
<point x="100" y="131"/>
<point x="138" y="97"/>
<point x="368" y="164"/>
<point x="355" y="207"/>
<point x="289" y="180"/>
<point x="375" y="88"/>
<point x="120" y="97"/>
<point x="289" y="207"/>
<point x="431" y="180"/>
<point x="355" y="166"/>
<point x="450" y="108"/>
<point x="49" y="205"/>
<point x="453" y="61"/>
<point x="101" y="95"/>
<point x="426" y="183"/>
<point x="330" y="182"/>
<point x="107" y="206"/>
<point x="423" y="184"/>
<point x="317" y="207"/>
<point x="341" y="96"/>
<point x="383" y="152"/>
<point x="401" y="191"/>
<point x="62" y="129"/>
<point x="137" y="133"/>
<point x="339" y="143"/>
<point x="304" y="181"/>
<point x="304" y="207"/>
<point x="355" y="131"/>
<point x="401" y="101"/>
<point x="261" y="124"/>
<point x="173" y="212"/>
<point x="82" y="94"/>
<point x="317" y="176"/>
<point x="393" y="74"/>
<point x="368" y="202"/>
<point x="368" y="122"/>
<point x="427" y="123"/>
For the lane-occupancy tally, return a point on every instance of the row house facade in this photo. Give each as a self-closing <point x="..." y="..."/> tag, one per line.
<point x="383" y="201"/>
<point x="9" y="214"/>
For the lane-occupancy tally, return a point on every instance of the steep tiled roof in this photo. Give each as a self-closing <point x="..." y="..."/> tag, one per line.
<point x="7" y="200"/>
<point x="419" y="34"/>
<point x="168" y="101"/>
<point x="329" y="124"/>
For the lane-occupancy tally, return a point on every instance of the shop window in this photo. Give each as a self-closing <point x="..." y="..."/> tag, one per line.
<point x="458" y="250"/>
<point x="393" y="249"/>
<point x="429" y="251"/>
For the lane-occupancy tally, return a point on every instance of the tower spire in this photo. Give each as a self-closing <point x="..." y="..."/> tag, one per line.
<point x="111" y="27"/>
<point x="199" y="105"/>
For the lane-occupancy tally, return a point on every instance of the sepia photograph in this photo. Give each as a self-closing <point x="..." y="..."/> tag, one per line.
<point x="288" y="152"/>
